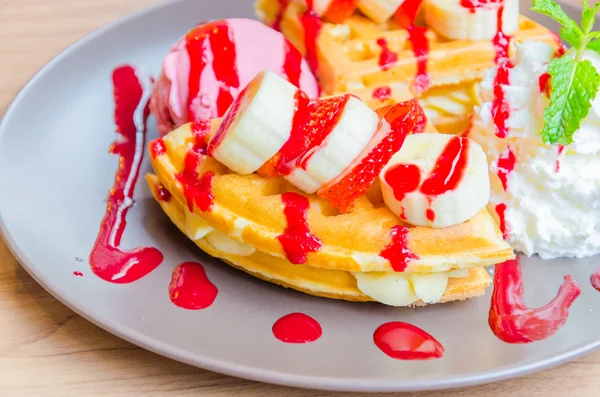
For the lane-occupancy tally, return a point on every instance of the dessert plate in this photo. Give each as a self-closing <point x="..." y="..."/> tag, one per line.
<point x="55" y="172"/>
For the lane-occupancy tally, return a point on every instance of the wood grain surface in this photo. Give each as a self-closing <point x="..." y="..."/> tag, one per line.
<point x="47" y="350"/>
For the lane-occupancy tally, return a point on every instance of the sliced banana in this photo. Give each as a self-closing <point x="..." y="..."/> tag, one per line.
<point x="454" y="21"/>
<point x="379" y="10"/>
<point x="256" y="125"/>
<point x="354" y="129"/>
<point x="436" y="180"/>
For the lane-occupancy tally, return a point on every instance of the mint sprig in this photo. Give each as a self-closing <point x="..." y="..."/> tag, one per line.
<point x="575" y="81"/>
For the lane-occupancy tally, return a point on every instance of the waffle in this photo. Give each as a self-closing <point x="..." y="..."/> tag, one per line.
<point x="348" y="61"/>
<point x="329" y="283"/>
<point x="249" y="209"/>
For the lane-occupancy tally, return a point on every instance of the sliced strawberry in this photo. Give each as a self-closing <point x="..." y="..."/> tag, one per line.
<point x="400" y="120"/>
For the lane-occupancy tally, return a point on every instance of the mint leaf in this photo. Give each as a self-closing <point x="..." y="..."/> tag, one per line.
<point x="572" y="37"/>
<point x="553" y="10"/>
<point x="594" y="45"/>
<point x="574" y="87"/>
<point x="588" y="17"/>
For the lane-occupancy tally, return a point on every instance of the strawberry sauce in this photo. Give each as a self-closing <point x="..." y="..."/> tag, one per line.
<point x="292" y="67"/>
<point x="404" y="341"/>
<point x="398" y="253"/>
<point x="162" y="193"/>
<point x="595" y="279"/>
<point x="312" y="25"/>
<point x="77" y="274"/>
<point x="500" y="105"/>
<point x="544" y="83"/>
<point x="501" y="211"/>
<point x="190" y="288"/>
<point x="283" y="5"/>
<point x="448" y="169"/>
<point x="313" y="122"/>
<point x="509" y="318"/>
<point x="212" y="42"/>
<point x="561" y="149"/>
<point x="157" y="148"/>
<point x="296" y="240"/>
<point x="406" y="15"/>
<point x="297" y="328"/>
<point x="403" y="179"/>
<point x="387" y="57"/>
<point x="382" y="93"/>
<point x="196" y="190"/>
<point x="506" y="164"/>
<point x="107" y="260"/>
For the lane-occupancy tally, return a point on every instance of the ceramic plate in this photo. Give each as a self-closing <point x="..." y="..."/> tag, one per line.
<point x="55" y="172"/>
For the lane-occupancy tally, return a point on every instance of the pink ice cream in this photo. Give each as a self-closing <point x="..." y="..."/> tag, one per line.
<point x="240" y="50"/>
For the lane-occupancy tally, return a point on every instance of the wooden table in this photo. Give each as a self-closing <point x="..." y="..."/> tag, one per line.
<point x="47" y="350"/>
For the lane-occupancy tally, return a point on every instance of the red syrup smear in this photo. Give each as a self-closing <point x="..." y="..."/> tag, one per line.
<point x="595" y="279"/>
<point x="560" y="47"/>
<point x="313" y="122"/>
<point x="501" y="211"/>
<point x="398" y="253"/>
<point x="500" y="106"/>
<point x="506" y="164"/>
<point x="312" y="25"/>
<point x="157" y="148"/>
<point x="162" y="193"/>
<point x="219" y="38"/>
<point x="382" y="93"/>
<point x="403" y="179"/>
<point x="196" y="190"/>
<point x="296" y="240"/>
<point x="545" y="84"/>
<point x="283" y="5"/>
<point x="107" y="260"/>
<point x="448" y="169"/>
<point x="78" y="274"/>
<point x="292" y="67"/>
<point x="509" y="318"/>
<point x="190" y="287"/>
<point x="430" y="214"/>
<point x="297" y="328"/>
<point x="387" y="57"/>
<point x="406" y="15"/>
<point x="561" y="149"/>
<point x="404" y="341"/>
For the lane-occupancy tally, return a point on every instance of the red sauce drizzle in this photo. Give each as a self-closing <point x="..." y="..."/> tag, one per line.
<point x="500" y="106"/>
<point x="501" y="210"/>
<point x="297" y="328"/>
<point x="595" y="279"/>
<point x="544" y="83"/>
<point x="283" y="5"/>
<point x="162" y="193"/>
<point x="404" y="341"/>
<point x="196" y="190"/>
<point x="506" y="164"/>
<point x="509" y="318"/>
<point x="387" y="57"/>
<point x="190" y="288"/>
<point x="313" y="122"/>
<point x="403" y="179"/>
<point x="296" y="240"/>
<point x="312" y="25"/>
<point x="430" y="214"/>
<point x="219" y="38"/>
<point x="382" y="93"/>
<point x="78" y="274"/>
<point x="292" y="67"/>
<point x="107" y="260"/>
<point x="560" y="50"/>
<point x="448" y="169"/>
<point x="201" y="131"/>
<point x="157" y="148"/>
<point x="406" y="15"/>
<point x="398" y="253"/>
<point x="561" y="149"/>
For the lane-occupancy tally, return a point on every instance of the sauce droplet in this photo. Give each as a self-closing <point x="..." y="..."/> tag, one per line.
<point x="404" y="341"/>
<point x="501" y="211"/>
<point x="162" y="193"/>
<point x="561" y="149"/>
<point x="296" y="239"/>
<point x="297" y="328"/>
<point x="511" y="321"/>
<point x="107" y="260"/>
<point x="387" y="57"/>
<point x="403" y="179"/>
<point x="595" y="279"/>
<point x="78" y="274"/>
<point x="406" y="15"/>
<point x="190" y="287"/>
<point x="506" y="164"/>
<point x="398" y="253"/>
<point x="382" y="93"/>
<point x="544" y="83"/>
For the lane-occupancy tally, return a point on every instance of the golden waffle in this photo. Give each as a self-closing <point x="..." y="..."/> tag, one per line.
<point x="249" y="209"/>
<point x="329" y="283"/>
<point x="348" y="60"/>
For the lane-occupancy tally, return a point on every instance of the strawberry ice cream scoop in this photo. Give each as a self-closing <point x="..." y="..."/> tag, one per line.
<point x="207" y="68"/>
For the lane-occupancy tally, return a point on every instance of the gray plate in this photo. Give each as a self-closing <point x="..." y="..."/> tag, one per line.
<point x="55" y="172"/>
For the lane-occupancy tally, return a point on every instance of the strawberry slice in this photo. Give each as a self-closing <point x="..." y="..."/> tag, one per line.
<point x="398" y="121"/>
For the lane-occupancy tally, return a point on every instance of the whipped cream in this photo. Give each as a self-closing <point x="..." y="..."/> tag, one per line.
<point x="547" y="198"/>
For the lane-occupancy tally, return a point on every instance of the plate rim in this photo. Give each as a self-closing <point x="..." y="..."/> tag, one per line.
<point x="228" y="367"/>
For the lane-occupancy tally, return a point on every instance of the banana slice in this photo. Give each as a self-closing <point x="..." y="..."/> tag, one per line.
<point x="354" y="129"/>
<point x="479" y="22"/>
<point x="436" y="180"/>
<point x="256" y="125"/>
<point x="379" y="10"/>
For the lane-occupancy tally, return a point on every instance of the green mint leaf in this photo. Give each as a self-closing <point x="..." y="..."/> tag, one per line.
<point x="588" y="17"/>
<point x="571" y="36"/>
<point x="553" y="10"/>
<point x="594" y="45"/>
<point x="574" y="87"/>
